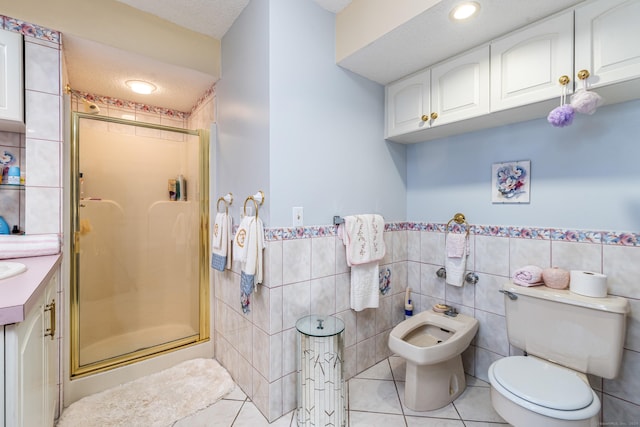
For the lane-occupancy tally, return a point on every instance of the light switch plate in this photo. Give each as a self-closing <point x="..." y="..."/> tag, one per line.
<point x="297" y="217"/>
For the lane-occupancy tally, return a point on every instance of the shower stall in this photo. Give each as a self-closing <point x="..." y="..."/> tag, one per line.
<point x="139" y="265"/>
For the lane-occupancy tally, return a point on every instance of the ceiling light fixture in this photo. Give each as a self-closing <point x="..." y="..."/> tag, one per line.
<point x="464" y="11"/>
<point x="140" y="86"/>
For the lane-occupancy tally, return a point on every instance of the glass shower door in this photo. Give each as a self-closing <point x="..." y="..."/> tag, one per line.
<point x="138" y="277"/>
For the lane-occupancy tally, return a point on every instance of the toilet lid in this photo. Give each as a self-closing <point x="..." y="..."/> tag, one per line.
<point x="543" y="384"/>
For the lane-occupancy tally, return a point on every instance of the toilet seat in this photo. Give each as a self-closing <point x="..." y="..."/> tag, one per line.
<point x="543" y="388"/>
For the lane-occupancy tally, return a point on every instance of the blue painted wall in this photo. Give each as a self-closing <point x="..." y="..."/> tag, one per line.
<point x="293" y="123"/>
<point x="585" y="176"/>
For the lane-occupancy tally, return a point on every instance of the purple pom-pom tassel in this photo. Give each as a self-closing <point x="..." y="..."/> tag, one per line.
<point x="561" y="116"/>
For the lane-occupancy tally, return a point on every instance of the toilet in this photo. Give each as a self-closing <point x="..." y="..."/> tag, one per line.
<point x="564" y="336"/>
<point x="432" y="344"/>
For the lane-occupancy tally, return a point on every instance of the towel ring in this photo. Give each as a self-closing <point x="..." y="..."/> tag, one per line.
<point x="458" y="218"/>
<point x="244" y="208"/>
<point x="226" y="207"/>
<point x="227" y="200"/>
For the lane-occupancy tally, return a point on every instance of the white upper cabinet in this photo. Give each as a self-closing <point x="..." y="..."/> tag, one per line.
<point x="608" y="41"/>
<point x="407" y="101"/>
<point x="460" y="87"/>
<point x="11" y="77"/>
<point x="450" y="91"/>
<point x="518" y="77"/>
<point x="526" y="65"/>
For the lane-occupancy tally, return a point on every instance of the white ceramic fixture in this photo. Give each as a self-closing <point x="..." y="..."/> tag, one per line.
<point x="10" y="269"/>
<point x="565" y="336"/>
<point x="432" y="343"/>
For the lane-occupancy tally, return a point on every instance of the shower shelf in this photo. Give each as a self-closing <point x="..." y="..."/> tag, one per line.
<point x="11" y="187"/>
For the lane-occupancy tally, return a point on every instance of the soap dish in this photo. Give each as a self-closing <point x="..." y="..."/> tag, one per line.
<point x="440" y="308"/>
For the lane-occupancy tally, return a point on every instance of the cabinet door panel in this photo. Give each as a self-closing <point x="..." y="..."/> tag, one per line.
<point x="407" y="100"/>
<point x="460" y="87"/>
<point x="526" y="66"/>
<point x="11" y="81"/>
<point x="608" y="41"/>
<point x="31" y="370"/>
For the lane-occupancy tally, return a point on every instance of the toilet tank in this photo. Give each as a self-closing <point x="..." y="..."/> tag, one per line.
<point x="582" y="333"/>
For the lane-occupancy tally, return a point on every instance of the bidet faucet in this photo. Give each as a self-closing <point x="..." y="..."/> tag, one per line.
<point x="451" y="312"/>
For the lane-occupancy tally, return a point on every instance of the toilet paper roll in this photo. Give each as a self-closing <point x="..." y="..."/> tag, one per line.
<point x="588" y="283"/>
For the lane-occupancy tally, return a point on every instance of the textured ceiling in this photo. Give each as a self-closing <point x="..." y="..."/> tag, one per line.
<point x="432" y="37"/>
<point x="210" y="17"/>
<point x="422" y="41"/>
<point x="102" y="70"/>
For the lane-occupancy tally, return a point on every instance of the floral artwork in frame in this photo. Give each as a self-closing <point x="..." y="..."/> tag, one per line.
<point x="510" y="182"/>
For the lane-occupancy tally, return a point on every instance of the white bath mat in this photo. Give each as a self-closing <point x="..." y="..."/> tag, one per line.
<point x="159" y="399"/>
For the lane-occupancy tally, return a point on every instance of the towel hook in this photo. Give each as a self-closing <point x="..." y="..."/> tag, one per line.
<point x="258" y="197"/>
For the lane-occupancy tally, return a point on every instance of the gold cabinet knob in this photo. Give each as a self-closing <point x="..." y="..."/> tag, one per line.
<point x="583" y="74"/>
<point x="425" y="118"/>
<point x="564" y="80"/>
<point x="434" y="116"/>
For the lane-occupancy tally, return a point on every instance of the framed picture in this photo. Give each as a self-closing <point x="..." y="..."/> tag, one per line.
<point x="510" y="182"/>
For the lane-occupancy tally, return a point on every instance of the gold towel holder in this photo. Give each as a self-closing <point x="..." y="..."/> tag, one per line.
<point x="257" y="199"/>
<point x="460" y="219"/>
<point x="227" y="199"/>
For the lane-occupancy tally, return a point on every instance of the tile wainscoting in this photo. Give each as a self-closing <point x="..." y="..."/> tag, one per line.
<point x="306" y="273"/>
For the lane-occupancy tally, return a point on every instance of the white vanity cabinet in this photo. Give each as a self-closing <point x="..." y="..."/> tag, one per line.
<point x="31" y="363"/>
<point x="607" y="42"/>
<point x="526" y="65"/>
<point x="11" y="81"/>
<point x="450" y="91"/>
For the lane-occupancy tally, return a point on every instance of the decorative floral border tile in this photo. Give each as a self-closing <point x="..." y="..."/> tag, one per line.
<point x="578" y="236"/>
<point x="42" y="33"/>
<point x="130" y="105"/>
<point x="30" y="30"/>
<point x="209" y="93"/>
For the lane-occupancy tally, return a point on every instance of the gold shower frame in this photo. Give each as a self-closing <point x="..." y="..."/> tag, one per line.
<point x="78" y="371"/>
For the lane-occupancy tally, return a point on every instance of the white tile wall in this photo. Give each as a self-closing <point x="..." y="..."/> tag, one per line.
<point x="310" y="275"/>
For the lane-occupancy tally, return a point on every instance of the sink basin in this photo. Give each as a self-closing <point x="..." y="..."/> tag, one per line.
<point x="10" y="269"/>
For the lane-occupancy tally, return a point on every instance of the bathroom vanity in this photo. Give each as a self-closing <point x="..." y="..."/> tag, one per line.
<point x="29" y="343"/>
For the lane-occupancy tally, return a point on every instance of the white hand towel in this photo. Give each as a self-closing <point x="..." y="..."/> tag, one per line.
<point x="251" y="274"/>
<point x="28" y="246"/>
<point x="365" y="292"/>
<point x="218" y="229"/>
<point x="221" y="242"/>
<point x="363" y="236"/>
<point x="240" y="240"/>
<point x="455" y="265"/>
<point x="456" y="245"/>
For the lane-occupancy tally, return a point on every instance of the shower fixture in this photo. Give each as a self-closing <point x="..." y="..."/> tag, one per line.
<point x="90" y="107"/>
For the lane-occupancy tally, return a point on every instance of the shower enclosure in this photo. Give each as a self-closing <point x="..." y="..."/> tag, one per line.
<point x="139" y="276"/>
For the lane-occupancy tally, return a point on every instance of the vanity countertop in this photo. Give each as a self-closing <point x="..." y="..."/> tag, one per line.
<point x="19" y="293"/>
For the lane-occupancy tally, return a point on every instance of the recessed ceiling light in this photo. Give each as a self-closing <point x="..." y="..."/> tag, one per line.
<point x="464" y="11"/>
<point x="140" y="86"/>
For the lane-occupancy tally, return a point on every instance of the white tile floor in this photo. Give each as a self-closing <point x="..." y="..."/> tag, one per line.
<point x="376" y="398"/>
